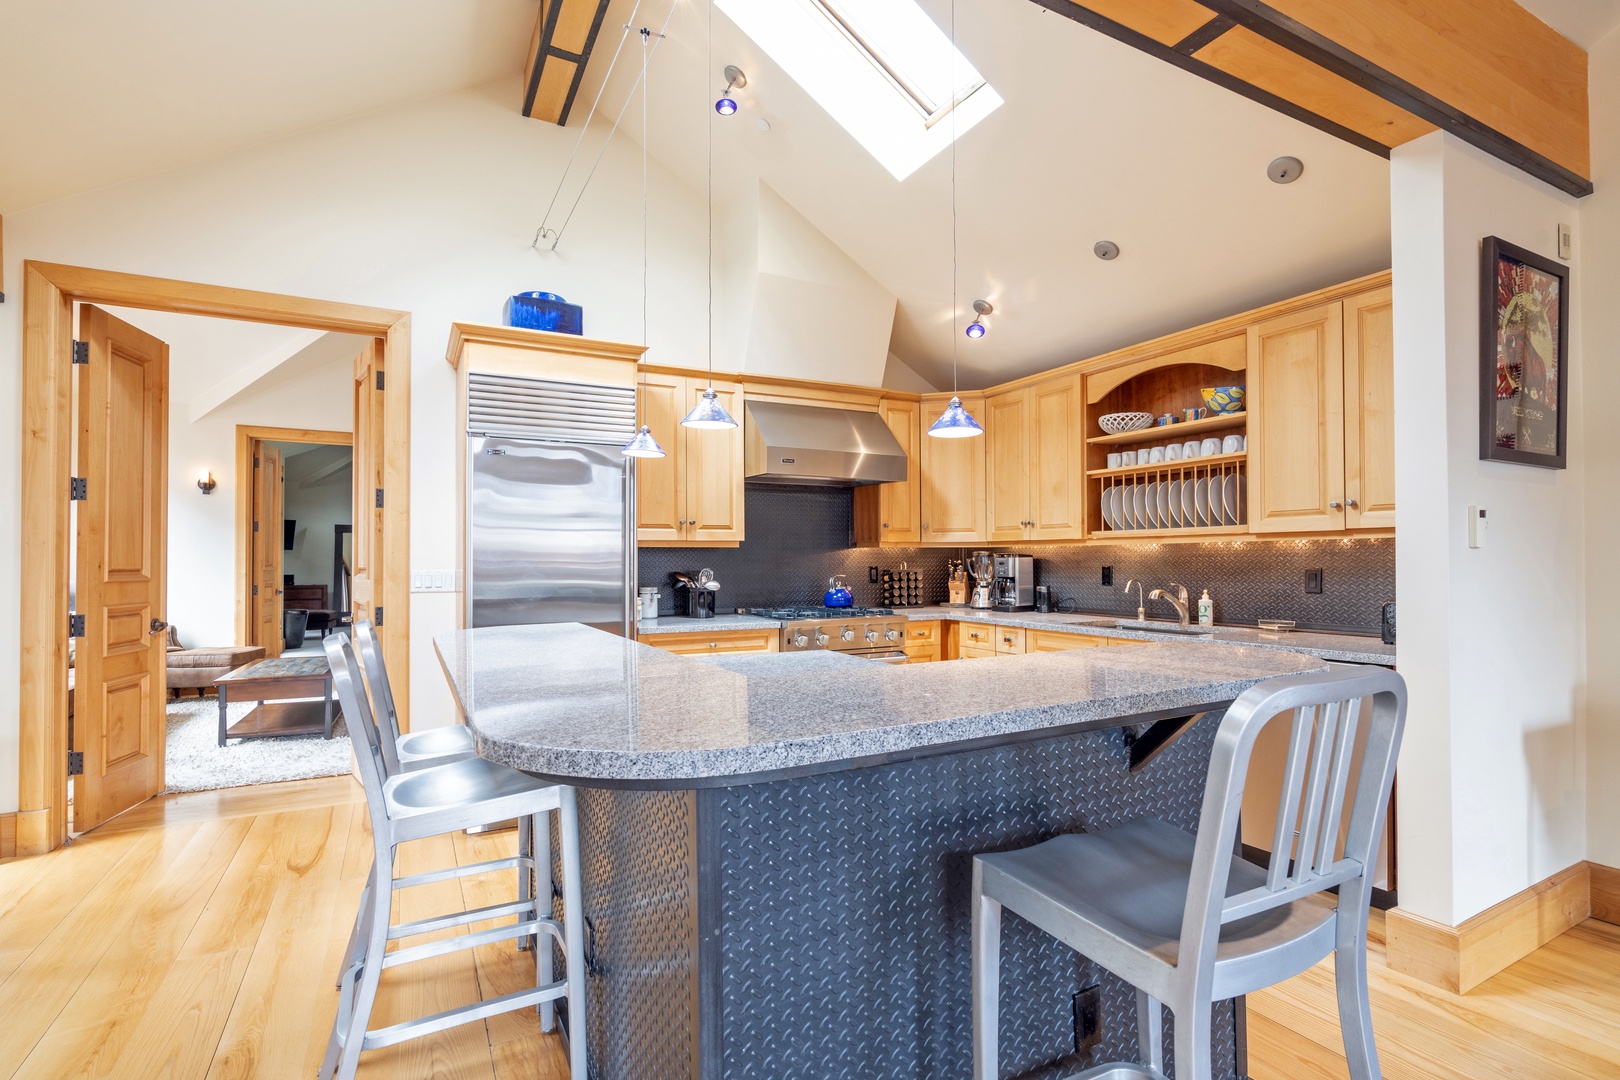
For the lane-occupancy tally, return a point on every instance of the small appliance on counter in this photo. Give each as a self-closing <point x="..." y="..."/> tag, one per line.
<point x="1386" y="622"/>
<point x="1043" y="598"/>
<point x="982" y="567"/>
<point x="647" y="602"/>
<point x="696" y="596"/>
<point x="837" y="594"/>
<point x="1014" y="587"/>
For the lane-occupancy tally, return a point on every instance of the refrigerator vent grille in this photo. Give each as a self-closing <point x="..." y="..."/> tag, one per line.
<point x="512" y="406"/>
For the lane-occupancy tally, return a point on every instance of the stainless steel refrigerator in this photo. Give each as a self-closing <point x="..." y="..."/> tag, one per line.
<point x="550" y="504"/>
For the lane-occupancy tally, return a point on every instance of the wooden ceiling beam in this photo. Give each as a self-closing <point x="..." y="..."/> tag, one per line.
<point x="559" y="51"/>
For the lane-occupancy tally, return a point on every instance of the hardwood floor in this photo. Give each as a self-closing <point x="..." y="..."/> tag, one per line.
<point x="197" y="936"/>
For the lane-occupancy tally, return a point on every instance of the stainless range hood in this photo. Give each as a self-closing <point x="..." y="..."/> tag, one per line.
<point x="806" y="444"/>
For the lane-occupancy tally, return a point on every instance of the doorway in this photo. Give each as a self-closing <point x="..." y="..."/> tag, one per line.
<point x="127" y="704"/>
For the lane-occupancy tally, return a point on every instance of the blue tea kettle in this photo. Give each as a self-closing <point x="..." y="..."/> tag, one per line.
<point x="837" y="594"/>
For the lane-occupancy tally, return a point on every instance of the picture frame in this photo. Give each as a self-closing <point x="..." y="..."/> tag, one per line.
<point x="1524" y="356"/>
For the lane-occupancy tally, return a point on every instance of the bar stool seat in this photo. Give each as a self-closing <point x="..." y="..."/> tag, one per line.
<point x="417" y="800"/>
<point x="434" y="743"/>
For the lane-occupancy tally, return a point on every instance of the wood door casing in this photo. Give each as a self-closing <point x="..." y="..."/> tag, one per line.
<point x="121" y="663"/>
<point x="1057" y="459"/>
<point x="1006" y="437"/>
<point x="268" y="513"/>
<point x="1296" y="407"/>
<point x="952" y="501"/>
<point x="1369" y="410"/>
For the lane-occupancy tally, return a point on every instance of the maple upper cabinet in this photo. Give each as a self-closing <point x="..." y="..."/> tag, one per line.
<point x="1296" y="421"/>
<point x="1035" y="463"/>
<point x="1369" y="410"/>
<point x="952" y="500"/>
<point x="1322" y="434"/>
<point x="694" y="494"/>
<point x="890" y="513"/>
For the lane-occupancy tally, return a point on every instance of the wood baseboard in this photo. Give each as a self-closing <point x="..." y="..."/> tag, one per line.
<point x="33" y="832"/>
<point x="8" y="836"/>
<point x="1459" y="958"/>
<point x="1605" y="892"/>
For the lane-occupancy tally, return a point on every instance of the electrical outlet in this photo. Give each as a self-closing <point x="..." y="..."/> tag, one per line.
<point x="1313" y="581"/>
<point x="1087" y="1018"/>
<point x="1108" y="575"/>
<point x="872" y="574"/>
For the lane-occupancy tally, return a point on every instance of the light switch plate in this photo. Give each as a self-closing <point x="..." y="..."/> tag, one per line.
<point x="1566" y="242"/>
<point x="435" y="581"/>
<point x="1478" y="519"/>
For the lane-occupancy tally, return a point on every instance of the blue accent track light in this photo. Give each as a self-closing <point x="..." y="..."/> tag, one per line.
<point x="727" y="105"/>
<point x="980" y="326"/>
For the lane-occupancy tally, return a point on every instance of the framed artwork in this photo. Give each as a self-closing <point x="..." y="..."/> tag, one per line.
<point x="1524" y="356"/>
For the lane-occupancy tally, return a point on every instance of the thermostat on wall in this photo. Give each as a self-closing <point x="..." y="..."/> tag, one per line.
<point x="1477" y="520"/>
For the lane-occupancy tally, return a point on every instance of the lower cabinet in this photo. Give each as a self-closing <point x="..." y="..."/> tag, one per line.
<point x="1053" y="641"/>
<point x="924" y="643"/>
<point x="722" y="641"/>
<point x="977" y="640"/>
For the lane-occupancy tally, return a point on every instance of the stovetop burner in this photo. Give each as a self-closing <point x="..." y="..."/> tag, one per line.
<point x="822" y="612"/>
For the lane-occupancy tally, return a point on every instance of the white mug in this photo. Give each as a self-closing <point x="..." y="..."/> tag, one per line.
<point x="1209" y="447"/>
<point x="1243" y="442"/>
<point x="1172" y="452"/>
<point x="1156" y="455"/>
<point x="1114" y="460"/>
<point x="1128" y="458"/>
<point x="1231" y="444"/>
<point x="1189" y="449"/>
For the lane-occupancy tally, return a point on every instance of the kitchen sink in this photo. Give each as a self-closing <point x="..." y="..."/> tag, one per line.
<point x="1152" y="627"/>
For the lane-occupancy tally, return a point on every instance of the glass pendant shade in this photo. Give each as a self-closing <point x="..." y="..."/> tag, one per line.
<point x="955" y="423"/>
<point x="707" y="415"/>
<point x="643" y="445"/>
<point x="725" y="106"/>
<point x="976" y="329"/>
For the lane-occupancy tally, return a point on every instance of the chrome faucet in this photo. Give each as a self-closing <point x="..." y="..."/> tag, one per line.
<point x="1178" y="601"/>
<point x="1141" y="609"/>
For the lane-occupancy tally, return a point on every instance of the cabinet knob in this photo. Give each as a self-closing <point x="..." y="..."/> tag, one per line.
<point x="1351" y="503"/>
<point x="1334" y="505"/>
<point x="885" y="524"/>
<point x="714" y="644"/>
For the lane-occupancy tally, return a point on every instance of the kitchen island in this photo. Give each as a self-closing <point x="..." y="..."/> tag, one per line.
<point x="778" y="850"/>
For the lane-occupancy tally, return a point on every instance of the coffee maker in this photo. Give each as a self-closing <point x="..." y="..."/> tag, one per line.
<point x="1014" y="588"/>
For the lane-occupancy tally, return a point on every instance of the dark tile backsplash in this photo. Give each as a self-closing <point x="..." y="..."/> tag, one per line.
<point x="799" y="537"/>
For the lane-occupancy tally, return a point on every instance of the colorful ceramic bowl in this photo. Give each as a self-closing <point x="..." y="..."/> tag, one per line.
<point x="1118" y="423"/>
<point x="1223" y="399"/>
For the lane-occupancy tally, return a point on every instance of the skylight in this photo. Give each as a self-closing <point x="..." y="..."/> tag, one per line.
<point x="881" y="68"/>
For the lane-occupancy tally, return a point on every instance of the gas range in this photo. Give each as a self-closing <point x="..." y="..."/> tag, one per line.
<point x="871" y="632"/>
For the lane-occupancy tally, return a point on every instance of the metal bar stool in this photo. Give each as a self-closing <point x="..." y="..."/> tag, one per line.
<point x="414" y="748"/>
<point x="431" y="802"/>
<point x="1185" y="922"/>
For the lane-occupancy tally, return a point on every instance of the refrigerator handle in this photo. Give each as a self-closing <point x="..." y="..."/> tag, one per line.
<point x="631" y="583"/>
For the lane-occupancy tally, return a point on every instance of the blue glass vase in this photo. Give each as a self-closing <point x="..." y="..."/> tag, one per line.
<point x="544" y="311"/>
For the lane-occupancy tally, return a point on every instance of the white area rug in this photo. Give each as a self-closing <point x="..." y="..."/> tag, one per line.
<point x="196" y="761"/>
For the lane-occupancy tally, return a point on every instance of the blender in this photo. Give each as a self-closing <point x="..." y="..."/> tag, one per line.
<point x="982" y="567"/>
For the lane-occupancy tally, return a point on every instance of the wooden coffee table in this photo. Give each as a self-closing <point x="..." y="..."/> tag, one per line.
<point x="273" y="683"/>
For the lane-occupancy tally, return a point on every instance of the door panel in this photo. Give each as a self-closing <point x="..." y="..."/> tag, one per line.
<point x="1057" y="442"/>
<point x="952" y="479"/>
<point x="660" y="513"/>
<point x="899" y="501"/>
<point x="368" y="481"/>
<point x="1369" y="409"/>
<point x="1006" y="438"/>
<point x="121" y="661"/>
<point x="267" y="542"/>
<point x="714" y="470"/>
<point x="1296" y="402"/>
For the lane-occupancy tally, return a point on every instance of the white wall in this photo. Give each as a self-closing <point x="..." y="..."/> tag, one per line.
<point x="429" y="208"/>
<point x="1600" y="327"/>
<point x="1492" y="795"/>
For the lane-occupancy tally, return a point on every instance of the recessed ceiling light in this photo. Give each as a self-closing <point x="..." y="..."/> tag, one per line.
<point x="763" y="124"/>
<point x="1106" y="250"/>
<point x="1285" y="170"/>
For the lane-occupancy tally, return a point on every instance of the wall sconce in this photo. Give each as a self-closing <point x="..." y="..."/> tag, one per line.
<point x="206" y="481"/>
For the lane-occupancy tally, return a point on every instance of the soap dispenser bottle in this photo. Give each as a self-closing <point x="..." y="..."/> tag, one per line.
<point x="1206" y="610"/>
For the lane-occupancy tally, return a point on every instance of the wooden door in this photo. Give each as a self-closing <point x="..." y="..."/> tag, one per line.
<point x="660" y="486"/>
<point x="1057" y="459"/>
<point x="364" y="585"/>
<point x="714" y="469"/>
<point x="1369" y="410"/>
<point x="900" y="524"/>
<point x="268" y="477"/>
<point x="952" y="498"/>
<point x="1296" y="422"/>
<point x="1006" y="439"/>
<point x="121" y="677"/>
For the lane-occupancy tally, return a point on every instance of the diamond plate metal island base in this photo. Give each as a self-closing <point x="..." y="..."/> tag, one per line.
<point x="817" y="928"/>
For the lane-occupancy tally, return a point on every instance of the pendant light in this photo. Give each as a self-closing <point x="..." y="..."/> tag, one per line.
<point x="643" y="445"/>
<point x="955" y="422"/>
<point x="708" y="414"/>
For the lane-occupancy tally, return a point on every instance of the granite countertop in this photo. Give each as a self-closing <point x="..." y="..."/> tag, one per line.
<point x="1342" y="648"/>
<point x="578" y="704"/>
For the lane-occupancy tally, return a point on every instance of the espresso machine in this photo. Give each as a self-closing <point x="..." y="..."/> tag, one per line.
<point x="1014" y="587"/>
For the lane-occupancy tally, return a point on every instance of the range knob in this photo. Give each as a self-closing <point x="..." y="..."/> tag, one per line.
<point x="800" y="640"/>
<point x="871" y="637"/>
<point x="848" y="634"/>
<point x="821" y="637"/>
<point x="892" y="635"/>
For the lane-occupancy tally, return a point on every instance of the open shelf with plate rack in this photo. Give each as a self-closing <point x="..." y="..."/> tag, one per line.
<point x="1203" y="493"/>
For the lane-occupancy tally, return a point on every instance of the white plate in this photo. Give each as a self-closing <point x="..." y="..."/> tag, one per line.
<point x="1189" y="504"/>
<point x="1234" y="500"/>
<point x="1166" y="521"/>
<point x="1177" y="521"/>
<point x="1139" y="506"/>
<point x="1150" y="494"/>
<point x="1107" y="508"/>
<point x="1116" y="506"/>
<point x="1201" y="497"/>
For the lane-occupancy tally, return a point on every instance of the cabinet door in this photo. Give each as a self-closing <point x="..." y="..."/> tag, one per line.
<point x="900" y="501"/>
<point x="660" y="482"/>
<point x="952" y="480"/>
<point x="714" y="470"/>
<point x="1369" y="410"/>
<point x="1057" y="463"/>
<point x="1006" y="438"/>
<point x="1296" y="422"/>
<point x="1053" y="641"/>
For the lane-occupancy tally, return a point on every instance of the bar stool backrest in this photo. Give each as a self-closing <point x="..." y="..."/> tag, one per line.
<point x="368" y="753"/>
<point x="371" y="662"/>
<point x="1324" y="710"/>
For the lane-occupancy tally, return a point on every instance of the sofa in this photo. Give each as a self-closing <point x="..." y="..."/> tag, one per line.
<point x="198" y="669"/>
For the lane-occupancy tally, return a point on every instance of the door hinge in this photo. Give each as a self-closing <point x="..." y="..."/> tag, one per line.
<point x="75" y="763"/>
<point x="78" y="488"/>
<point x="255" y="526"/>
<point x="379" y="380"/>
<point x="379" y="498"/>
<point x="255" y="590"/>
<point x="75" y="624"/>
<point x="81" y="352"/>
<point x="377" y="612"/>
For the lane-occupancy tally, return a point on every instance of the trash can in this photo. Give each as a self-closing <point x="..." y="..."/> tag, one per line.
<point x="294" y="625"/>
